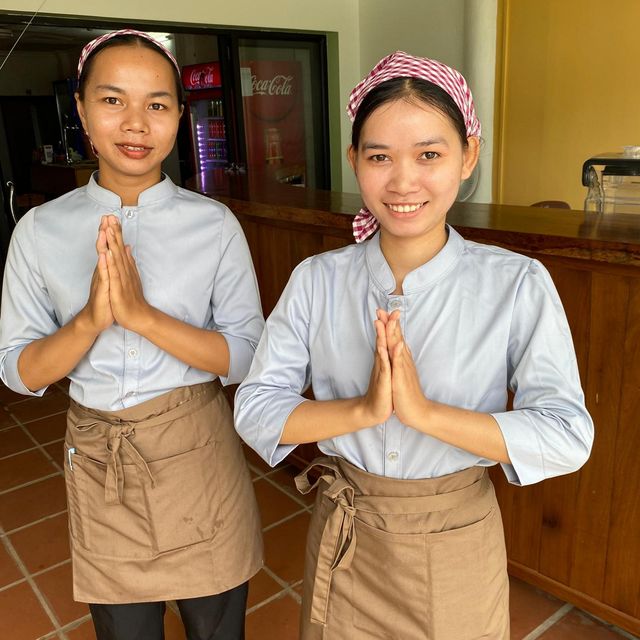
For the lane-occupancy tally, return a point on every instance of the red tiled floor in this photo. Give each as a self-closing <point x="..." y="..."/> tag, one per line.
<point x="261" y="587"/>
<point x="576" y="625"/>
<point x="48" y="429"/>
<point x="24" y="467"/>
<point x="274" y="504"/>
<point x="57" y="587"/>
<point x="284" y="547"/>
<point x="54" y="401"/>
<point x="278" y="620"/>
<point x="14" y="440"/>
<point x="9" y="571"/>
<point x="284" y="476"/>
<point x="27" y="619"/>
<point x="5" y="419"/>
<point x="31" y="503"/>
<point x="83" y="632"/>
<point x="7" y="396"/>
<point x="56" y="451"/>
<point x="255" y="460"/>
<point x="43" y="544"/>
<point x="529" y="607"/>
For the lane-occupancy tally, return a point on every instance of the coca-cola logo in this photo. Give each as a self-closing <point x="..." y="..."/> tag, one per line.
<point x="279" y="85"/>
<point x="201" y="76"/>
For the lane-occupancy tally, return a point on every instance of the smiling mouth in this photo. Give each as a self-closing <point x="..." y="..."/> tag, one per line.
<point x="130" y="147"/>
<point x="404" y="208"/>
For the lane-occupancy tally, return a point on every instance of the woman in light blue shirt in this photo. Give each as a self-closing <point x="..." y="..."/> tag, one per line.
<point x="410" y="341"/>
<point x="144" y="295"/>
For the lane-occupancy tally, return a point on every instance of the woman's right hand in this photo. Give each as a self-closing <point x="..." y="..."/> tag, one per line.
<point x="377" y="403"/>
<point x="96" y="314"/>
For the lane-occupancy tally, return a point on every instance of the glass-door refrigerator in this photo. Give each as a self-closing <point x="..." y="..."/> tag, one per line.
<point x="203" y="87"/>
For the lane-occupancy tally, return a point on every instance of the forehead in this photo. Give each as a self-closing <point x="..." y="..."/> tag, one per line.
<point x="410" y="117"/>
<point x="131" y="61"/>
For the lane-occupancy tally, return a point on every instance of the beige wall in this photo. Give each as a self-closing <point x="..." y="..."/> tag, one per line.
<point x="571" y="91"/>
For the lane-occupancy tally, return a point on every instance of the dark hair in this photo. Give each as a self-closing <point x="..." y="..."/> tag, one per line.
<point x="126" y="40"/>
<point x="408" y="88"/>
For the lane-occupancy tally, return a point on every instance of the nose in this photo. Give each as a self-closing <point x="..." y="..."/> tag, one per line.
<point x="403" y="178"/>
<point x="135" y="119"/>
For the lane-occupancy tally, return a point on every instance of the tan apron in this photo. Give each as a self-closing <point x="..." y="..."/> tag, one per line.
<point x="161" y="504"/>
<point x="403" y="559"/>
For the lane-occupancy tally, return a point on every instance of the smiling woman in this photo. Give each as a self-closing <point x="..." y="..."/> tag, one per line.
<point x="144" y="295"/>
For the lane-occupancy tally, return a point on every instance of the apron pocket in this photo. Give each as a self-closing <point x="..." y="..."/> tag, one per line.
<point x="467" y="579"/>
<point x="388" y="575"/>
<point x="183" y="504"/>
<point x="73" y="498"/>
<point x="114" y="530"/>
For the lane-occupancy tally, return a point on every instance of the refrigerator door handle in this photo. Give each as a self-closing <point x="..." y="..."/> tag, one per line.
<point x="12" y="200"/>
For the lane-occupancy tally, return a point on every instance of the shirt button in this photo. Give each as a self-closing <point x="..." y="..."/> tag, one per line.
<point x="392" y="455"/>
<point x="133" y="353"/>
<point x="129" y="214"/>
<point x="395" y="304"/>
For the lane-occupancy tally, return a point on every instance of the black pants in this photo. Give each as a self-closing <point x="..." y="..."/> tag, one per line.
<point x="219" y="617"/>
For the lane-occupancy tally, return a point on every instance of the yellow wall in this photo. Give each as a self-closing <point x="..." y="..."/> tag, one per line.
<point x="570" y="91"/>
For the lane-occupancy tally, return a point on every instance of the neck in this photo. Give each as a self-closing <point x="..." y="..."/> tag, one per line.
<point x="128" y="188"/>
<point x="404" y="255"/>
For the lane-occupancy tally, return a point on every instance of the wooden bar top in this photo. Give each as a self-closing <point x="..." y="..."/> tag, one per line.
<point x="611" y="238"/>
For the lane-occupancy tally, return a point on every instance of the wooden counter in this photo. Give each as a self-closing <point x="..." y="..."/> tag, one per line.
<point x="577" y="536"/>
<point x="56" y="179"/>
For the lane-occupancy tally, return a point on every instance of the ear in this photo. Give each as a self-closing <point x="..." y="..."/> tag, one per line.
<point x="470" y="156"/>
<point x="181" y="110"/>
<point x="81" y="113"/>
<point x="352" y="157"/>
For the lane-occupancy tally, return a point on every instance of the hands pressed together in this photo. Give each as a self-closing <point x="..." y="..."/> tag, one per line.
<point x="394" y="385"/>
<point x="116" y="289"/>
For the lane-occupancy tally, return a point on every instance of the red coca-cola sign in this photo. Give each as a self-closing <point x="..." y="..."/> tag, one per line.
<point x="201" y="76"/>
<point x="275" y="88"/>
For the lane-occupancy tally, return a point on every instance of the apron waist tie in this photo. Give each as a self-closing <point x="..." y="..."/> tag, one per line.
<point x="117" y="439"/>
<point x="338" y="542"/>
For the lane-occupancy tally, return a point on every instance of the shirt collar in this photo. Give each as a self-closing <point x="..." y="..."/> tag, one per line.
<point x="163" y="189"/>
<point x="422" y="277"/>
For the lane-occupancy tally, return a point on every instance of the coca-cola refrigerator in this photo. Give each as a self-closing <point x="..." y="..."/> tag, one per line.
<point x="203" y="87"/>
<point x="274" y="120"/>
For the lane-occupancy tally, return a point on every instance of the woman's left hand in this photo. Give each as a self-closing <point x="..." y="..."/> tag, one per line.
<point x="409" y="402"/>
<point x="128" y="304"/>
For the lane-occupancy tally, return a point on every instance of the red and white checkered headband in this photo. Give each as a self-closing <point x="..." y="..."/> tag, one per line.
<point x="404" y="65"/>
<point x="91" y="46"/>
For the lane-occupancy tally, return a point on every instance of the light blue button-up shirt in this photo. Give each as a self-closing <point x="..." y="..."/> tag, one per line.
<point x="194" y="264"/>
<point x="478" y="320"/>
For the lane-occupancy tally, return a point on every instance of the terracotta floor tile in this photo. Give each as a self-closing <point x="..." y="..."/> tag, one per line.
<point x="278" y="620"/>
<point x="273" y="503"/>
<point x="24" y="467"/>
<point x="14" y="440"/>
<point x="9" y="571"/>
<point x="254" y="459"/>
<point x="5" y="419"/>
<point x="261" y="587"/>
<point x="57" y="587"/>
<point x="529" y="607"/>
<point x="577" y="625"/>
<point x="28" y="619"/>
<point x="285" y="478"/>
<point x="31" y="503"/>
<point x="43" y="544"/>
<point x="7" y="396"/>
<point x="53" y="401"/>
<point x="83" y="632"/>
<point x="48" y="429"/>
<point x="284" y="548"/>
<point x="56" y="451"/>
<point x="173" y="629"/>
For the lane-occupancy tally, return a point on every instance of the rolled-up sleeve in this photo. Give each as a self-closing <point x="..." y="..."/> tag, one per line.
<point x="237" y="313"/>
<point x="27" y="311"/>
<point x="549" y="432"/>
<point x="280" y="372"/>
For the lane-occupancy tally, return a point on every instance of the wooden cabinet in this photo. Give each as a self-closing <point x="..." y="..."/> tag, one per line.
<point x="577" y="536"/>
<point x="53" y="180"/>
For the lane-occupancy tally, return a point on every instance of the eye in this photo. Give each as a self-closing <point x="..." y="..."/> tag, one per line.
<point x="156" y="106"/>
<point x="430" y="155"/>
<point x="378" y="157"/>
<point x="111" y="100"/>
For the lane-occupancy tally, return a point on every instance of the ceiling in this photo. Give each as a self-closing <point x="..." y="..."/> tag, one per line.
<point x="45" y="38"/>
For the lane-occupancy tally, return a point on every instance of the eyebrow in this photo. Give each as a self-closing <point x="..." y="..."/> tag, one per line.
<point x="113" y="89"/>
<point x="423" y="143"/>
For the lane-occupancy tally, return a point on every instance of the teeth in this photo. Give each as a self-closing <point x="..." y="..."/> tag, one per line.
<point x="404" y="208"/>
<point x="130" y="148"/>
